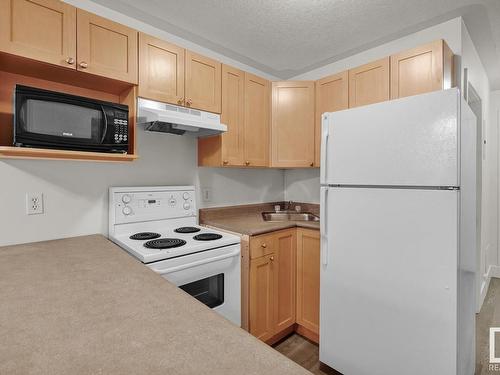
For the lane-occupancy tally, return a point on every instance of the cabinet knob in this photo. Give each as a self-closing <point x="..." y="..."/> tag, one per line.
<point x="189" y="102"/>
<point x="225" y="162"/>
<point x="84" y="65"/>
<point x="311" y="164"/>
<point x="180" y="101"/>
<point x="70" y="60"/>
<point x="271" y="259"/>
<point x="264" y="245"/>
<point x="247" y="163"/>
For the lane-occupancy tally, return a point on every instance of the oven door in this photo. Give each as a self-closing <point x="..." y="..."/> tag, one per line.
<point x="213" y="277"/>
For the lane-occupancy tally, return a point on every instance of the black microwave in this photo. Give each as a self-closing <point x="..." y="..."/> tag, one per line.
<point x="48" y="119"/>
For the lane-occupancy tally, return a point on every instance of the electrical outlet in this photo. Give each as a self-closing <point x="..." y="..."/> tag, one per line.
<point x="206" y="194"/>
<point x="34" y="203"/>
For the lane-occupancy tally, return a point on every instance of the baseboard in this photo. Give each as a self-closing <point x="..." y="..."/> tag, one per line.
<point x="307" y="333"/>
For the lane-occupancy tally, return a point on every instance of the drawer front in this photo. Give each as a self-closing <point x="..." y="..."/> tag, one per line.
<point x="261" y="245"/>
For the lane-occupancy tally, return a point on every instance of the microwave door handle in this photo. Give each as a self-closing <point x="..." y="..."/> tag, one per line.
<point x="105" y="124"/>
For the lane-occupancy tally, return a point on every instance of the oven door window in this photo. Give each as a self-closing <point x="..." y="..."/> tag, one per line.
<point x="65" y="120"/>
<point x="209" y="291"/>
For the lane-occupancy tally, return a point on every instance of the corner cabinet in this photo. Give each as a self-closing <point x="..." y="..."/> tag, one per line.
<point x="245" y="112"/>
<point x="292" y="124"/>
<point x="369" y="83"/>
<point x="43" y="30"/>
<point x="422" y="69"/>
<point x="332" y="94"/>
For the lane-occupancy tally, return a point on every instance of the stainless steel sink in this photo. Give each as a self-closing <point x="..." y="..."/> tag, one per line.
<point x="289" y="216"/>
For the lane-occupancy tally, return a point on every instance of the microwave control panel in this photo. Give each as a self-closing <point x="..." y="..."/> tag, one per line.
<point x="120" y="122"/>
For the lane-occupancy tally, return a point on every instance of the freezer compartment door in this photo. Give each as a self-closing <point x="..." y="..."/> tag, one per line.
<point x="411" y="141"/>
<point x="389" y="281"/>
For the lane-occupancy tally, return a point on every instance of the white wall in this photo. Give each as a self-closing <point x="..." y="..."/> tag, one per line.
<point x="75" y="193"/>
<point x="489" y="228"/>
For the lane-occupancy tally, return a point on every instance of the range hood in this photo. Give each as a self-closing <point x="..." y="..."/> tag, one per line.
<point x="169" y="118"/>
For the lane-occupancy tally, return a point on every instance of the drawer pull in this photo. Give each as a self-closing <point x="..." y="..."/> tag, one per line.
<point x="263" y="245"/>
<point x="271" y="259"/>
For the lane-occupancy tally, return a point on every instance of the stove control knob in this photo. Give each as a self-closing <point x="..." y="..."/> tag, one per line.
<point x="187" y="206"/>
<point x="186" y="196"/>
<point x="127" y="210"/>
<point x="126" y="198"/>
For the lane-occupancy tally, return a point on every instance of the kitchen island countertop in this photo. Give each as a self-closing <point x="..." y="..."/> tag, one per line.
<point x="83" y="306"/>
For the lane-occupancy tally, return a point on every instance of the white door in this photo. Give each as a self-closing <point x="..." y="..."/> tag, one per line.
<point x="411" y="141"/>
<point x="389" y="281"/>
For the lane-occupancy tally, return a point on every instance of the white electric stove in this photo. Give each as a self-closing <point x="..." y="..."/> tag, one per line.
<point x="159" y="226"/>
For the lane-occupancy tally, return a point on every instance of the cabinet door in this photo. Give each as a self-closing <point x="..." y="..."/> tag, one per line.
<point x="332" y="94"/>
<point x="292" y="129"/>
<point x="308" y="270"/>
<point x="369" y="83"/>
<point x="106" y="48"/>
<point x="203" y="83"/>
<point x="257" y="103"/>
<point x="233" y="115"/>
<point x="422" y="69"/>
<point x="161" y="70"/>
<point x="284" y="279"/>
<point x="261" y="297"/>
<point x="43" y="30"/>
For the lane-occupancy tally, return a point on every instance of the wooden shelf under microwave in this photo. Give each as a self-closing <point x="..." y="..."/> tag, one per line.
<point x="32" y="73"/>
<point x="12" y="152"/>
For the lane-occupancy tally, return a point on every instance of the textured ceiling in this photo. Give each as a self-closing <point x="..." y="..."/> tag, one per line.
<point x="288" y="37"/>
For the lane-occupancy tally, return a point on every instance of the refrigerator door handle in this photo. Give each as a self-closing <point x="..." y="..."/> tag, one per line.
<point x="324" y="225"/>
<point x="324" y="144"/>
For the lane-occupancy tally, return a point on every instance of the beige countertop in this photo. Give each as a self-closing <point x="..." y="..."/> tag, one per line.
<point x="253" y="224"/>
<point x="247" y="219"/>
<point x="84" y="306"/>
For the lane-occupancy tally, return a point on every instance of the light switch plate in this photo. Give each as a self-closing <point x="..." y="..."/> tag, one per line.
<point x="34" y="203"/>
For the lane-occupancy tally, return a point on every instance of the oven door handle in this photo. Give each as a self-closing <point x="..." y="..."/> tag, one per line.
<point x="197" y="263"/>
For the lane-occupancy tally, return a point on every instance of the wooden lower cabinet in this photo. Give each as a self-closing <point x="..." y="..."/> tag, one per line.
<point x="284" y="279"/>
<point x="272" y="284"/>
<point x="308" y="270"/>
<point x="262" y="297"/>
<point x="284" y="284"/>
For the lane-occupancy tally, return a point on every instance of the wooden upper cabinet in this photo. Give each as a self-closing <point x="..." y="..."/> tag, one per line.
<point x="332" y="94"/>
<point x="261" y="301"/>
<point x="106" y="48"/>
<point x="161" y="70"/>
<point x="369" y="83"/>
<point x="292" y="129"/>
<point x="284" y="279"/>
<point x="43" y="30"/>
<point x="257" y="105"/>
<point x="308" y="283"/>
<point x="203" y="83"/>
<point x="422" y="69"/>
<point x="233" y="116"/>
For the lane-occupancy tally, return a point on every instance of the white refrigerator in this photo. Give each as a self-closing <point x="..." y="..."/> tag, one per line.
<point x="398" y="232"/>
